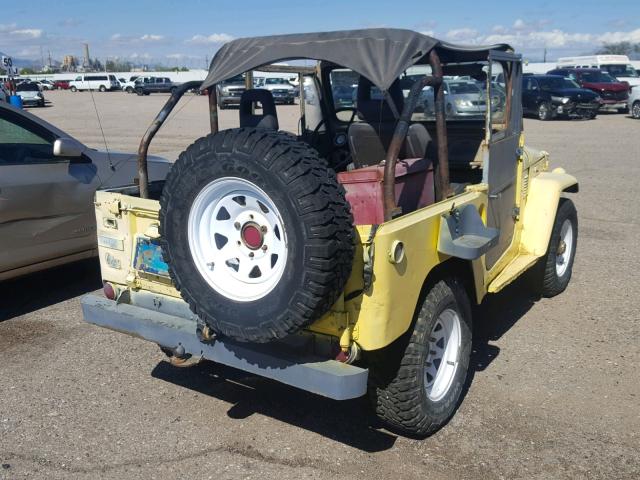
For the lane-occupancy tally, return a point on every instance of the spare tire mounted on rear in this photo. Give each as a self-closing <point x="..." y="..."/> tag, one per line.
<point x="257" y="233"/>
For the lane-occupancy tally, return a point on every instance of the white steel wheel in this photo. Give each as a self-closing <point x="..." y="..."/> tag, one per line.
<point x="564" y="250"/>
<point x="237" y="239"/>
<point x="442" y="360"/>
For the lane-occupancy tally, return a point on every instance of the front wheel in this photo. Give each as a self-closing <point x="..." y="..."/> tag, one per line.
<point x="73" y="89"/>
<point x="102" y="88"/>
<point x="129" y="90"/>
<point x="544" y="111"/>
<point x="635" y="110"/>
<point x="417" y="382"/>
<point x="553" y="272"/>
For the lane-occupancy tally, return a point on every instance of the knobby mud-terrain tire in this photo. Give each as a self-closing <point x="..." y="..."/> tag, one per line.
<point x="552" y="273"/>
<point x="403" y="394"/>
<point x="299" y="206"/>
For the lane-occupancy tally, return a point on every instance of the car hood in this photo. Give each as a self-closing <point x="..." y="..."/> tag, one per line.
<point x="573" y="93"/>
<point x="279" y="86"/>
<point x="472" y="97"/>
<point x="117" y="169"/>
<point x="608" y="87"/>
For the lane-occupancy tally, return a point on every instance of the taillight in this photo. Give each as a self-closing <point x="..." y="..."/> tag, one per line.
<point x="109" y="291"/>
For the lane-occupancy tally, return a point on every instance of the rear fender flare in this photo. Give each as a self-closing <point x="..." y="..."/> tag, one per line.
<point x="540" y="209"/>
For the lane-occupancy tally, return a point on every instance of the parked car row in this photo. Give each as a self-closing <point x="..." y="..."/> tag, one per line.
<point x="577" y="92"/>
<point x="230" y="91"/>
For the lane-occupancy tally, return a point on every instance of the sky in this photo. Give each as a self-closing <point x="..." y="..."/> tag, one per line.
<point x="188" y="32"/>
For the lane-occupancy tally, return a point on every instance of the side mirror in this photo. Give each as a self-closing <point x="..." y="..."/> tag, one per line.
<point x="67" y="147"/>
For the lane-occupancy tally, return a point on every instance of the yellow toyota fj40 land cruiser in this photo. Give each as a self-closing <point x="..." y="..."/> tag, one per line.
<point x="346" y="258"/>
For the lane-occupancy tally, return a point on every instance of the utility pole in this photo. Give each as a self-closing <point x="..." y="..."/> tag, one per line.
<point x="544" y="56"/>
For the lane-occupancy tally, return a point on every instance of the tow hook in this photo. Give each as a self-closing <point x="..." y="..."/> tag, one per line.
<point x="178" y="357"/>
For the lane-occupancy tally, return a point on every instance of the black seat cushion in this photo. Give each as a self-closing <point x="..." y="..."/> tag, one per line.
<point x="269" y="117"/>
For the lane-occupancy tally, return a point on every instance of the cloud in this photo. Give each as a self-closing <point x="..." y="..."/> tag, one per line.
<point x="210" y="39"/>
<point x="132" y="39"/>
<point x="12" y="30"/>
<point x="151" y="38"/>
<point x="532" y="35"/>
<point x="468" y="35"/>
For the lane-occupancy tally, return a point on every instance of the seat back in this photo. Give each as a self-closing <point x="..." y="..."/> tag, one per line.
<point x="269" y="117"/>
<point x="418" y="142"/>
<point x="369" y="139"/>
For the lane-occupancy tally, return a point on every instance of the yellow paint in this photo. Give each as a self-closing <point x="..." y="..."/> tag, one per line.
<point x="377" y="317"/>
<point x="539" y="215"/>
<point x="385" y="313"/>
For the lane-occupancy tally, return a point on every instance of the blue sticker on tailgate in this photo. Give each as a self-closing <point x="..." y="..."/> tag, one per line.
<point x="148" y="257"/>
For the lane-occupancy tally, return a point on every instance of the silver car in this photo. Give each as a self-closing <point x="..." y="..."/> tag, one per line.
<point x="31" y="94"/>
<point x="463" y="99"/>
<point x="47" y="184"/>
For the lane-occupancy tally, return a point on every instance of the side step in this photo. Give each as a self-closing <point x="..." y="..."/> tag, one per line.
<point x="328" y="378"/>
<point x="513" y="270"/>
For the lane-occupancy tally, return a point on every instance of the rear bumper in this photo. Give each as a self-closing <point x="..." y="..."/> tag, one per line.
<point x="328" y="378"/>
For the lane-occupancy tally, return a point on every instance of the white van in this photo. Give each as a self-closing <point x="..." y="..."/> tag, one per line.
<point x="94" y="81"/>
<point x="617" y="66"/>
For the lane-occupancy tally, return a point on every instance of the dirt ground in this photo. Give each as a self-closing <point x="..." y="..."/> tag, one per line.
<point x="555" y="390"/>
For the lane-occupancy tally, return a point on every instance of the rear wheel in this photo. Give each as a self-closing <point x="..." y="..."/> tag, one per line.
<point x="257" y="233"/>
<point x="544" y="111"/>
<point x="417" y="382"/>
<point x="635" y="109"/>
<point x="129" y="90"/>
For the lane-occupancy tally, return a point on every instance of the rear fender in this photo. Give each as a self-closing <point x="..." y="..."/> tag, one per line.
<point x="540" y="209"/>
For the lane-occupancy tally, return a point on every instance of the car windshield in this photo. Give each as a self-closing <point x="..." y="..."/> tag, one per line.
<point x="462" y="88"/>
<point x="620" y="70"/>
<point x="275" y="81"/>
<point x="27" y="87"/>
<point x="232" y="80"/>
<point x="551" y="83"/>
<point x="597" y="77"/>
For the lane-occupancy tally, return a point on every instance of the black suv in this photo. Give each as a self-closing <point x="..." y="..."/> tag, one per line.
<point x="148" y="85"/>
<point x="549" y="96"/>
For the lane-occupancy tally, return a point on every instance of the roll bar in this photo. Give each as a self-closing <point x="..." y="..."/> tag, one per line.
<point x="442" y="187"/>
<point x="143" y="149"/>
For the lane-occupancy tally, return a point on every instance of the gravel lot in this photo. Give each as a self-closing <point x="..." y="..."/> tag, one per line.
<point x="555" y="393"/>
